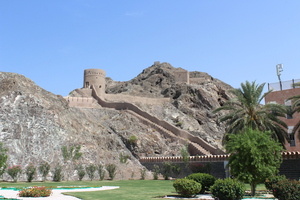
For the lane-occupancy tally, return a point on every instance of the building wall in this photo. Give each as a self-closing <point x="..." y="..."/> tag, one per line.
<point x="280" y="97"/>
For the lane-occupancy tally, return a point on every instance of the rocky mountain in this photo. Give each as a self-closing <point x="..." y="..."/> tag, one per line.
<point x="35" y="124"/>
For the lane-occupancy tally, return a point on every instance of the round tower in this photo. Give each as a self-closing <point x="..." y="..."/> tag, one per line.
<point x="95" y="77"/>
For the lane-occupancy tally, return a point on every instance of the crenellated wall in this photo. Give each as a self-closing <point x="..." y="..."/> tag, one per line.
<point x="86" y="102"/>
<point x="194" y="141"/>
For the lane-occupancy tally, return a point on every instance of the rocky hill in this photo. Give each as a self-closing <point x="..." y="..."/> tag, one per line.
<point x="35" y="124"/>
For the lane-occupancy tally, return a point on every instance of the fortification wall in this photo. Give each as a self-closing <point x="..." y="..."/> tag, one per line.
<point x="85" y="102"/>
<point x="196" y="80"/>
<point x="182" y="76"/>
<point x="135" y="99"/>
<point x="162" y="123"/>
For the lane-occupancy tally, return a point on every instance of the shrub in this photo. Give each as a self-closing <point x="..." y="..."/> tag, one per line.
<point x="30" y="172"/>
<point x="206" y="180"/>
<point x="35" y="191"/>
<point x="132" y="139"/>
<point x="57" y="173"/>
<point x="228" y="189"/>
<point x="44" y="169"/>
<point x="187" y="187"/>
<point x="14" y="172"/>
<point x="176" y="169"/>
<point x="101" y="172"/>
<point x="80" y="172"/>
<point x="111" y="168"/>
<point x="287" y="189"/>
<point x="143" y="173"/>
<point x="90" y="170"/>
<point x="166" y="168"/>
<point x="155" y="172"/>
<point x="273" y="180"/>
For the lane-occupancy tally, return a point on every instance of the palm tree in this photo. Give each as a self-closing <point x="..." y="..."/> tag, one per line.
<point x="295" y="108"/>
<point x="246" y="111"/>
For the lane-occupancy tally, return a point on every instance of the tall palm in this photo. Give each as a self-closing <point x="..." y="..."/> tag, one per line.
<point x="295" y="108"/>
<point x="245" y="111"/>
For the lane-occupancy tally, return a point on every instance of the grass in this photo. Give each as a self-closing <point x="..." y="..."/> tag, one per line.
<point x="129" y="189"/>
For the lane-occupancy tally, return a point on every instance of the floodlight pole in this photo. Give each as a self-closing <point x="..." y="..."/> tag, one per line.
<point x="279" y="69"/>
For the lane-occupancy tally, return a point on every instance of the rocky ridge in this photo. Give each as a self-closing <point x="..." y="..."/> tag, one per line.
<point x="35" y="124"/>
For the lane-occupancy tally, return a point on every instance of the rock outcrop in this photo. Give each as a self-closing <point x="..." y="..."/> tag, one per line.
<point x="35" y="124"/>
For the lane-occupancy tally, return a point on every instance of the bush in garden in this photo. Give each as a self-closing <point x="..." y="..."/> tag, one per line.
<point x="228" y="189"/>
<point x="143" y="173"/>
<point x="57" y="173"/>
<point x="80" y="171"/>
<point x="90" y="170"/>
<point x="155" y="172"/>
<point x="35" y="191"/>
<point x="176" y="169"/>
<point x="101" y="172"/>
<point x="30" y="172"/>
<point x="44" y="169"/>
<point x="14" y="172"/>
<point x="206" y="180"/>
<point x="111" y="168"/>
<point x="187" y="187"/>
<point x="287" y="189"/>
<point x="273" y="180"/>
<point x="166" y="168"/>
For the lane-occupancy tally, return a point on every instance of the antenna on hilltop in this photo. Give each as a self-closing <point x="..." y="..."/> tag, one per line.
<point x="279" y="69"/>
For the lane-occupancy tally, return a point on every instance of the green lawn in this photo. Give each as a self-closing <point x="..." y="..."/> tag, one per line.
<point x="129" y="189"/>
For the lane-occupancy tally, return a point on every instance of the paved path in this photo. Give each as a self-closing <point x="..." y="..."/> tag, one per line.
<point x="56" y="194"/>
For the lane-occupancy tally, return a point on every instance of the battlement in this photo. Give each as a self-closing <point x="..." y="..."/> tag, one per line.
<point x="85" y="102"/>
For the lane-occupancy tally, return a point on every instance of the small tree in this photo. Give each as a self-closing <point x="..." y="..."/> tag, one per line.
<point x="184" y="151"/>
<point x="30" y="172"/>
<point x="143" y="173"/>
<point x="176" y="169"/>
<point x="14" y="172"/>
<point x="101" y="172"/>
<point x="57" y="173"/>
<point x="155" y="172"/>
<point x="80" y="171"/>
<point x="3" y="159"/>
<point x="44" y="169"/>
<point x="254" y="156"/>
<point x="166" y="168"/>
<point x="70" y="155"/>
<point x="90" y="170"/>
<point x="111" y="168"/>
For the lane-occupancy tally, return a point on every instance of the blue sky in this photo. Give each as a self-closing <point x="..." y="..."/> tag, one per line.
<point x="52" y="42"/>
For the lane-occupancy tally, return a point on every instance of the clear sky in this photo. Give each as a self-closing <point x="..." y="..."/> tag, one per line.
<point x="53" y="41"/>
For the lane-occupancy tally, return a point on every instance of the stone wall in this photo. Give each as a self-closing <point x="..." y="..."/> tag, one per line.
<point x="85" y="102"/>
<point x="178" y="132"/>
<point x="135" y="99"/>
<point x="217" y="168"/>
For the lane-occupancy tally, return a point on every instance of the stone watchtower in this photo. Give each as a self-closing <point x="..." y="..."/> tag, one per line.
<point x="95" y="77"/>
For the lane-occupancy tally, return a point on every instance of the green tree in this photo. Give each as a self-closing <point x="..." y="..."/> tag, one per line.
<point x="3" y="159"/>
<point x="90" y="170"/>
<point x="184" y="151"/>
<point x="253" y="156"/>
<point x="245" y="111"/>
<point x="30" y="172"/>
<point x="80" y="171"/>
<point x="44" y="169"/>
<point x="70" y="155"/>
